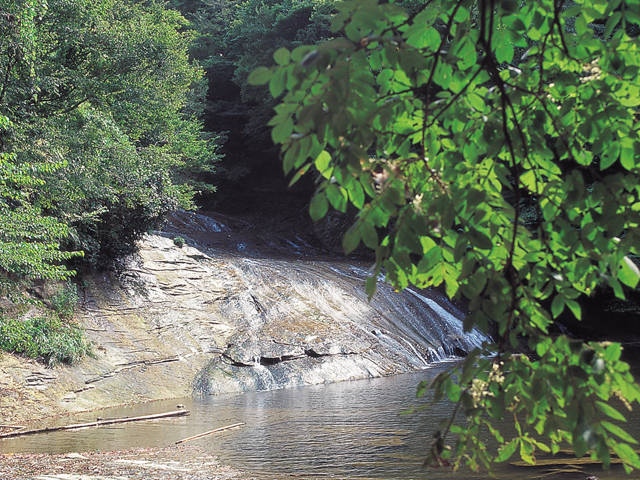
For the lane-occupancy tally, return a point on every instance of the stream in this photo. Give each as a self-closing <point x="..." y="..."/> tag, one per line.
<point x="356" y="429"/>
<point x="273" y="326"/>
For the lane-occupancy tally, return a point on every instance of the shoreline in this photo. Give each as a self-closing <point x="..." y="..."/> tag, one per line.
<point x="176" y="462"/>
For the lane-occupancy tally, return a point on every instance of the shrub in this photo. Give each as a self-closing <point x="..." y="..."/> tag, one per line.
<point x="179" y="242"/>
<point x="65" y="300"/>
<point x="46" y="338"/>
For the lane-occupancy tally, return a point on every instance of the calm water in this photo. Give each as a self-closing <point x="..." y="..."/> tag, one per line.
<point x="347" y="430"/>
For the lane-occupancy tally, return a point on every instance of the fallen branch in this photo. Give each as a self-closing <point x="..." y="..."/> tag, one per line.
<point x="215" y="430"/>
<point x="97" y="423"/>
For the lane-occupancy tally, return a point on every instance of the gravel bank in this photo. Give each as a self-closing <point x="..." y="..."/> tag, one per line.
<point x="171" y="463"/>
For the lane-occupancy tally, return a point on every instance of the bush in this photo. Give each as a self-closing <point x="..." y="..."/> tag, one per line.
<point x="46" y="338"/>
<point x="179" y="242"/>
<point x="65" y="300"/>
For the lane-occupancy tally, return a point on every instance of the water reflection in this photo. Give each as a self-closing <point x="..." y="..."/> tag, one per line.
<point x="345" y="430"/>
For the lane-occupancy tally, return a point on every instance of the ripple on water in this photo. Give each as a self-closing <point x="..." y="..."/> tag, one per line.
<point x="345" y="430"/>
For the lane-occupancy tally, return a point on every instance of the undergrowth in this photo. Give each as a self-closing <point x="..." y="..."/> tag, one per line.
<point x="41" y="328"/>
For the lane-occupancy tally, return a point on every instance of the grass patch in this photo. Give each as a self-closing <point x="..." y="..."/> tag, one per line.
<point x="46" y="338"/>
<point x="36" y="323"/>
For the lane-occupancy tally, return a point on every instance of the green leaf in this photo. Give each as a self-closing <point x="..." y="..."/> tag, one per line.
<point x="612" y="23"/>
<point x="628" y="272"/>
<point x="610" y="155"/>
<point x="260" y="76"/>
<point x="282" y="131"/>
<point x="282" y="56"/>
<point x="323" y="161"/>
<point x="526" y="452"/>
<point x="480" y="240"/>
<point x="627" y="154"/>
<point x="277" y="83"/>
<point x="356" y="195"/>
<point x="557" y="306"/>
<point x="543" y="346"/>
<point x="627" y="454"/>
<point x="450" y="277"/>
<point x="453" y="391"/>
<point x="504" y="53"/>
<point x="351" y="239"/>
<point x="318" y="207"/>
<point x="575" y="308"/>
<point x="579" y="444"/>
<point x="609" y="411"/>
<point x="613" y="352"/>
<point x="420" y="37"/>
<point x="337" y="197"/>
<point x="462" y="14"/>
<point x="369" y="235"/>
<point x="619" y="432"/>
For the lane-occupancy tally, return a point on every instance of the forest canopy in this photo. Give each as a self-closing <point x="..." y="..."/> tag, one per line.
<point x="99" y="136"/>
<point x="491" y="148"/>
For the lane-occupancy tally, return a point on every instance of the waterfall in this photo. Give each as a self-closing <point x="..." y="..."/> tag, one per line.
<point x="293" y="316"/>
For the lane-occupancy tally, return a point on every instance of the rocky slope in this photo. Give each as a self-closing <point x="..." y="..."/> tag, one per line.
<point x="232" y="310"/>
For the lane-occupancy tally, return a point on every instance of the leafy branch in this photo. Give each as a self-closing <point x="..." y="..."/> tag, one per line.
<point x="475" y="134"/>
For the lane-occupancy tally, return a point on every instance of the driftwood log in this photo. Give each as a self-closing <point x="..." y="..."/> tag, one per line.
<point x="215" y="430"/>
<point x="97" y="423"/>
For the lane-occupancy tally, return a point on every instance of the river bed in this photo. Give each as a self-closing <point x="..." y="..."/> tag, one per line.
<point x="354" y="429"/>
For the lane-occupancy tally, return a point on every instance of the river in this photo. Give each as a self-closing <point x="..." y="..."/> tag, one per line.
<point x="350" y="429"/>
<point x="356" y="429"/>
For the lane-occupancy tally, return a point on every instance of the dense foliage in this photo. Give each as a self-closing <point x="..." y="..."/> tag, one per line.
<point x="29" y="240"/>
<point x="99" y="139"/>
<point x="491" y="148"/>
<point x="234" y="37"/>
<point x="96" y="140"/>
<point x="39" y="329"/>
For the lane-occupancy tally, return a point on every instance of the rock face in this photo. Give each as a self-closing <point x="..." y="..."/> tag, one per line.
<point x="233" y="311"/>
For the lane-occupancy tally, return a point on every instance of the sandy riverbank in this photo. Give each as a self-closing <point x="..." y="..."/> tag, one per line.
<point x="186" y="462"/>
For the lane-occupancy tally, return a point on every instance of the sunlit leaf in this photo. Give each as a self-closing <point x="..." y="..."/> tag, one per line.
<point x="628" y="272"/>
<point x="619" y="432"/>
<point x="609" y="411"/>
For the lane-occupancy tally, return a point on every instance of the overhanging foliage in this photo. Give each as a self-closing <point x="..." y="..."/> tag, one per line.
<point x="492" y="148"/>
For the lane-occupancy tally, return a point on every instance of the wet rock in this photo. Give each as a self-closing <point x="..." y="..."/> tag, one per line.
<point x="210" y="319"/>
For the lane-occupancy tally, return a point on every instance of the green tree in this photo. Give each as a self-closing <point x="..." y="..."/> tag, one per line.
<point x="491" y="148"/>
<point x="235" y="36"/>
<point x="30" y="241"/>
<point x="100" y="89"/>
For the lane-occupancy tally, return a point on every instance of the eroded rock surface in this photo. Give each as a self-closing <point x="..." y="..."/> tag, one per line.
<point x="231" y="311"/>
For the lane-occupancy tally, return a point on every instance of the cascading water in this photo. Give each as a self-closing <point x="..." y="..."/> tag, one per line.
<point x="302" y="318"/>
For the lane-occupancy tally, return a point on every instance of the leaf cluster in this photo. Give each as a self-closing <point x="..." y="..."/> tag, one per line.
<point x="448" y="128"/>
<point x="97" y="140"/>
